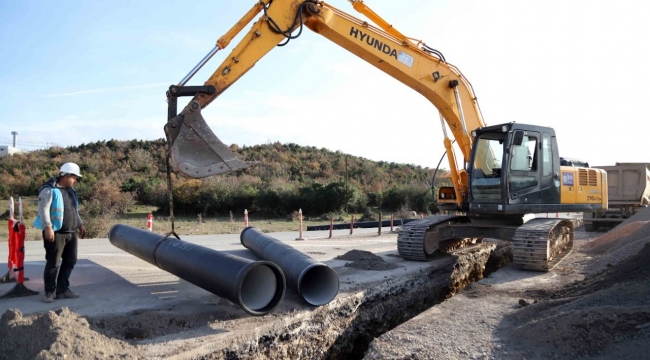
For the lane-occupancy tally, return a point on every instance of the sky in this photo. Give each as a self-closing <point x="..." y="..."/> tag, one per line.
<point x="77" y="72"/>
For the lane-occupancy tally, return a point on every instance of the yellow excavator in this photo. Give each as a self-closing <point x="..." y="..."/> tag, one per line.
<point x="509" y="170"/>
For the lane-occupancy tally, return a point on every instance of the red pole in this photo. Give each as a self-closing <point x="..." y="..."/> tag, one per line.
<point x="331" y="225"/>
<point x="351" y="224"/>
<point x="245" y="218"/>
<point x="19" y="249"/>
<point x="19" y="252"/>
<point x="150" y="222"/>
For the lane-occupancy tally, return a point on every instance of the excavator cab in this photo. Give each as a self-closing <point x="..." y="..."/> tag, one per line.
<point x="514" y="170"/>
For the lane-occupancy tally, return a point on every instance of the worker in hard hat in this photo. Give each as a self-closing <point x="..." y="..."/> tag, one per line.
<point x="58" y="217"/>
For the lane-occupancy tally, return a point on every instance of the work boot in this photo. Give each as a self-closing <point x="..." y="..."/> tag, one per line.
<point x="68" y="294"/>
<point x="49" y="297"/>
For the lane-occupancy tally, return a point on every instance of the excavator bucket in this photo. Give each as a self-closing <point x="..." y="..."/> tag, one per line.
<point x="194" y="150"/>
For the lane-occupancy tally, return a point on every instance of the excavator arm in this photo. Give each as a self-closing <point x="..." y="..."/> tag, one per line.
<point x="196" y="152"/>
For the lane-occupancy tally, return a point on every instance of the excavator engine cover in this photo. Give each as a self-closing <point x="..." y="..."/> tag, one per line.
<point x="194" y="150"/>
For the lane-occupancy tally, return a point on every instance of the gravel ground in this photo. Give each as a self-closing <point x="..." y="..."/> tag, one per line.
<point x="594" y="305"/>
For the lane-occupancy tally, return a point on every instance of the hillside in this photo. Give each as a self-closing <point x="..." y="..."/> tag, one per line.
<point x="287" y="177"/>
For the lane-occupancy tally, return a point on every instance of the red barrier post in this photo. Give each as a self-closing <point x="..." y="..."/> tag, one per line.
<point x="19" y="244"/>
<point x="245" y="218"/>
<point x="17" y="239"/>
<point x="351" y="224"/>
<point x="150" y="222"/>
<point x="19" y="252"/>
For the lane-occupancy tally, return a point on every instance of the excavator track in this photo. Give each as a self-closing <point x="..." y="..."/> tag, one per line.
<point x="418" y="240"/>
<point x="541" y="244"/>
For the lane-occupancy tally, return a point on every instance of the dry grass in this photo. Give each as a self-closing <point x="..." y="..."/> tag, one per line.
<point x="209" y="226"/>
<point x="162" y="225"/>
<point x="137" y="217"/>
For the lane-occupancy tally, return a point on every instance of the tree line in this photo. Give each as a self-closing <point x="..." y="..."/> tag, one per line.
<point x="286" y="177"/>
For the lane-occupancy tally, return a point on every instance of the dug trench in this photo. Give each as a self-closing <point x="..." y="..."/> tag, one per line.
<point x="344" y="328"/>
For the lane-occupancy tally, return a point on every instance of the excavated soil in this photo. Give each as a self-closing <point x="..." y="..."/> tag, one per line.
<point x="594" y="305"/>
<point x="59" y="334"/>
<point x="365" y="260"/>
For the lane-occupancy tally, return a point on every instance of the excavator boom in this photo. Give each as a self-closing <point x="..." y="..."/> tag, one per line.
<point x="195" y="150"/>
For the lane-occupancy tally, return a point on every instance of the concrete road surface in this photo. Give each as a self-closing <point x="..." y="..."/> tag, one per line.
<point x="112" y="281"/>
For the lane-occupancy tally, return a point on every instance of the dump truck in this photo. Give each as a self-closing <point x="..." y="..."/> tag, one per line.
<point x="628" y="193"/>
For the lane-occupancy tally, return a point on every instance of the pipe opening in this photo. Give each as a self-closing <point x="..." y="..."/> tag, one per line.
<point x="262" y="288"/>
<point x="318" y="284"/>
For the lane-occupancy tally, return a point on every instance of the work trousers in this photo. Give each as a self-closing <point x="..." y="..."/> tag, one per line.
<point x="64" y="249"/>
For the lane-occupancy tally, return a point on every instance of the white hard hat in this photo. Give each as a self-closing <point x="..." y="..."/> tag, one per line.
<point x="70" y="168"/>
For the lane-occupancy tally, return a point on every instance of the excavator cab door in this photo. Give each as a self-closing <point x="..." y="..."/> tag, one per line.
<point x="486" y="175"/>
<point x="523" y="181"/>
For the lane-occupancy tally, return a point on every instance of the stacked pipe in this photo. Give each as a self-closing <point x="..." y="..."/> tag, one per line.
<point x="256" y="286"/>
<point x="317" y="283"/>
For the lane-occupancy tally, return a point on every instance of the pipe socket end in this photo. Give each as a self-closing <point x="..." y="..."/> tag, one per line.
<point x="318" y="284"/>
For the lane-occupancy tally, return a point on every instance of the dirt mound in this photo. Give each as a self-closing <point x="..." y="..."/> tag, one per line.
<point x="643" y="215"/>
<point x="59" y="334"/>
<point x="366" y="260"/>
<point x="610" y="239"/>
<point x="606" y="316"/>
<point x="622" y="242"/>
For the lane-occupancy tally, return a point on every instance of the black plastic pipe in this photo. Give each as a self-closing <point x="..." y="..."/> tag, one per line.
<point x="256" y="286"/>
<point x="317" y="283"/>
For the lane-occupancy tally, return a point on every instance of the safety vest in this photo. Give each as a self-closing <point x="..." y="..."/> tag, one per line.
<point x="56" y="209"/>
